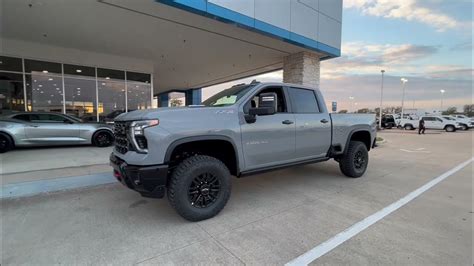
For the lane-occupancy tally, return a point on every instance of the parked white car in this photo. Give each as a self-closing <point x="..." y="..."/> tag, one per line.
<point x="465" y="121"/>
<point x="438" y="122"/>
<point x="431" y="122"/>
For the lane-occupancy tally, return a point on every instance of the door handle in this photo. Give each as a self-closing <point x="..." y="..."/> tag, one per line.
<point x="324" y="121"/>
<point x="287" y="122"/>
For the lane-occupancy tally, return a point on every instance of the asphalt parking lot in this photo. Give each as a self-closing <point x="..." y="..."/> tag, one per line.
<point x="271" y="218"/>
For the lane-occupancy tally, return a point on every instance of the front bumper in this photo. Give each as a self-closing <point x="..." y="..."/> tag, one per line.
<point x="149" y="181"/>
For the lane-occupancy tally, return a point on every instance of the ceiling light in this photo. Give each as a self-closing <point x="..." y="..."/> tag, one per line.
<point x="57" y="89"/>
<point x="45" y="71"/>
<point x="1" y="62"/>
<point x="50" y="79"/>
<point x="78" y="89"/>
<point x="78" y="70"/>
<point x="103" y="83"/>
<point x="40" y="85"/>
<point x="34" y="80"/>
<point x="107" y="77"/>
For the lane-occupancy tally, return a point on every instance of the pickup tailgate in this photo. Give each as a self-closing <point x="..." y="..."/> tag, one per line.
<point x="343" y="125"/>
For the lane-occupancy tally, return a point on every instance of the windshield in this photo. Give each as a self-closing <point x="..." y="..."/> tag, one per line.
<point x="227" y="97"/>
<point x="448" y="118"/>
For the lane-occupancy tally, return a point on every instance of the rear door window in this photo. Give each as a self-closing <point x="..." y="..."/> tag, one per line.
<point x="303" y="101"/>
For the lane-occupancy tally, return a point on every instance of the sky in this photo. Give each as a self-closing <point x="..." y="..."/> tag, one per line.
<point x="428" y="42"/>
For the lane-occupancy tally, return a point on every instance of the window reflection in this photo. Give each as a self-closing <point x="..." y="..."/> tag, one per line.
<point x="44" y="92"/>
<point x="138" y="96"/>
<point x="11" y="93"/>
<point x="111" y="99"/>
<point x="80" y="97"/>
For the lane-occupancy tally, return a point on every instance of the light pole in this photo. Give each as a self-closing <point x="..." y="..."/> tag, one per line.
<point x="352" y="103"/>
<point x="404" y="80"/>
<point x="381" y="98"/>
<point x="442" y="94"/>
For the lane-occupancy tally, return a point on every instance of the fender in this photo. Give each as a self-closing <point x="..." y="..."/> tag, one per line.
<point x="178" y="142"/>
<point x="352" y="133"/>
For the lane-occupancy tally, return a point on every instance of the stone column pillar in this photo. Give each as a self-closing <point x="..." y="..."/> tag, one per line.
<point x="302" y="68"/>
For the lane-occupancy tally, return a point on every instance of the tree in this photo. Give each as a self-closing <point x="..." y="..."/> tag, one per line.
<point x="363" y="111"/>
<point x="343" y="112"/>
<point x="450" y="111"/>
<point x="469" y="109"/>
<point x="176" y="102"/>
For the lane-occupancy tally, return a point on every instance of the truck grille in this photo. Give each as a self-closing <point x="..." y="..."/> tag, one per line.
<point x="121" y="136"/>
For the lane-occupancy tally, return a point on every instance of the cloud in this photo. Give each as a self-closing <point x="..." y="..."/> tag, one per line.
<point x="368" y="58"/>
<point x="404" y="9"/>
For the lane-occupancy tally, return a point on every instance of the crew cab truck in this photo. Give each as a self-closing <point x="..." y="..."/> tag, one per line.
<point x="189" y="153"/>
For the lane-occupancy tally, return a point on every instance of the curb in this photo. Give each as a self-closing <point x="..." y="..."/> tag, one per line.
<point x="32" y="188"/>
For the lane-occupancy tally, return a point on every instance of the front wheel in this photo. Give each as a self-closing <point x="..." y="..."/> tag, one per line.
<point x="6" y="143"/>
<point x="450" y="129"/>
<point x="103" y="139"/>
<point x="354" y="162"/>
<point x="464" y="127"/>
<point x="199" y="187"/>
<point x="409" y="127"/>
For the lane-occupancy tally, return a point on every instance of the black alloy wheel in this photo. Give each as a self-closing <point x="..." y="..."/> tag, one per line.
<point x="103" y="139"/>
<point x="204" y="190"/>
<point x="360" y="160"/>
<point x="5" y="143"/>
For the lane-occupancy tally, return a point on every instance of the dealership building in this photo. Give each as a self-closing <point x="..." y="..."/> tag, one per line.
<point x="97" y="58"/>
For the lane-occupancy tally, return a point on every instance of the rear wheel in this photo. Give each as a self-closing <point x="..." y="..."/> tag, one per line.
<point x="199" y="187"/>
<point x="450" y="129"/>
<point x="354" y="162"/>
<point x="103" y="139"/>
<point x="408" y="127"/>
<point x="6" y="143"/>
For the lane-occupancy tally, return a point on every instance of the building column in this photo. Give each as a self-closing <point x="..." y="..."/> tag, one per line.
<point x="302" y="68"/>
<point x="193" y="97"/>
<point x="163" y="99"/>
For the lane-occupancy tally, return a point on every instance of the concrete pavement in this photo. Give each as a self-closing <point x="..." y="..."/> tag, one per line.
<point x="270" y="218"/>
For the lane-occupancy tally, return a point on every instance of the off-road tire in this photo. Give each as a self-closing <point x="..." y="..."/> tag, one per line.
<point x="450" y="128"/>
<point x="348" y="164"/>
<point x="6" y="143"/>
<point x="181" y="181"/>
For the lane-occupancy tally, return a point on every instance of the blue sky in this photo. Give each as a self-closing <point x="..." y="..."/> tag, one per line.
<point x="429" y="42"/>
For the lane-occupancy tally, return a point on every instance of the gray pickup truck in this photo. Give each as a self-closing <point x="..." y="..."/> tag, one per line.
<point x="191" y="152"/>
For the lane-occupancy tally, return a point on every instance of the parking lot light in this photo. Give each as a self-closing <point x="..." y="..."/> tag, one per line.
<point x="403" y="80"/>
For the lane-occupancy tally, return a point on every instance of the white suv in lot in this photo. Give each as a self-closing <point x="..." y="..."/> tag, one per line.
<point x="465" y="121"/>
<point x="438" y="122"/>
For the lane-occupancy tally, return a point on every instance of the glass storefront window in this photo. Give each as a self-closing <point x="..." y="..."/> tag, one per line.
<point x="111" y="99"/>
<point x="11" y="64"/>
<point x="44" y="92"/>
<point x="87" y="91"/>
<point x="11" y="93"/>
<point x="80" y="97"/>
<point x="138" y="96"/>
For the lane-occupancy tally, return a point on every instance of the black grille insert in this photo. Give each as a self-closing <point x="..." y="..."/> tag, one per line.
<point x="121" y="129"/>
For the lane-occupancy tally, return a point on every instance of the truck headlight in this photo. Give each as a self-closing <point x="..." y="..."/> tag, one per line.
<point x="137" y="130"/>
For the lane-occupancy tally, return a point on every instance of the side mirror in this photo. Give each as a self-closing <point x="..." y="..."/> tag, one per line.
<point x="267" y="105"/>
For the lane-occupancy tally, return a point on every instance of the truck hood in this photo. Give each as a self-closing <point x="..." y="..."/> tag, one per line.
<point x="184" y="113"/>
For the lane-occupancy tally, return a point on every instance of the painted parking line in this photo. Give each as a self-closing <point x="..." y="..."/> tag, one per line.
<point x="51" y="185"/>
<point x="355" y="229"/>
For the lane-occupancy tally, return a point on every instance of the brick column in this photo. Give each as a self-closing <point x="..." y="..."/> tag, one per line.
<point x="302" y="68"/>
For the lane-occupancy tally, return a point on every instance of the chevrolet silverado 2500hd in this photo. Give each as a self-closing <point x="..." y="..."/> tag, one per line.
<point x="191" y="152"/>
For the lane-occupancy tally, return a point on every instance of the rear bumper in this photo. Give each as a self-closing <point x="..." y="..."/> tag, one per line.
<point x="149" y="181"/>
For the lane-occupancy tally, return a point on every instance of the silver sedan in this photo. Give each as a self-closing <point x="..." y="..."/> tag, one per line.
<point x="45" y="129"/>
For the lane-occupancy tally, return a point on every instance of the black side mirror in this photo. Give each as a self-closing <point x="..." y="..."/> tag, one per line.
<point x="267" y="105"/>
